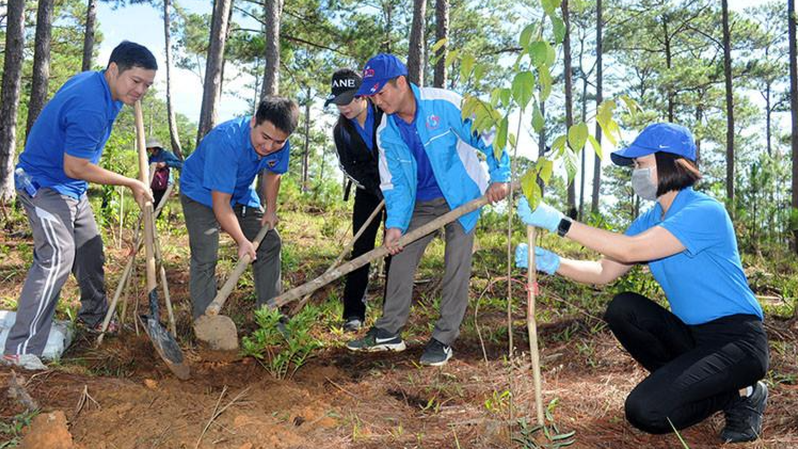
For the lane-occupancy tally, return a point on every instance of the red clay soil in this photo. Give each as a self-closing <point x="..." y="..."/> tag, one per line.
<point x="344" y="400"/>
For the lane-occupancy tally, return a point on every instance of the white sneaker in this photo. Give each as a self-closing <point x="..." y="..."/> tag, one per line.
<point x="26" y="361"/>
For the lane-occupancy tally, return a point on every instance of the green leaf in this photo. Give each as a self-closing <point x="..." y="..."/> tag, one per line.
<point x="469" y="106"/>
<point x="570" y="161"/>
<point x="544" y="76"/>
<point x="538" y="122"/>
<point x="551" y="55"/>
<point x="451" y="57"/>
<point x="438" y="45"/>
<point x="558" y="28"/>
<point x="495" y="95"/>
<point x="550" y="6"/>
<point x="526" y="36"/>
<point x="605" y="111"/>
<point x="538" y="52"/>
<point x="505" y="96"/>
<point x="500" y="142"/>
<point x="512" y="139"/>
<point x="466" y="66"/>
<point x="530" y="187"/>
<point x="523" y="88"/>
<point x="559" y="144"/>
<point x="479" y="72"/>
<point x="577" y="136"/>
<point x="596" y="146"/>
<point x="546" y="169"/>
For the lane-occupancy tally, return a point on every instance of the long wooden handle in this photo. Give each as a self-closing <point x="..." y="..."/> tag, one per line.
<point x="221" y="296"/>
<point x="377" y="253"/>
<point x="144" y="176"/>
<point x="531" y="323"/>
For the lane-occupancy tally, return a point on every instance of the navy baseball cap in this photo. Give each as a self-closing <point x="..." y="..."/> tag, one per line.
<point x="345" y="83"/>
<point x="379" y="70"/>
<point x="665" y="137"/>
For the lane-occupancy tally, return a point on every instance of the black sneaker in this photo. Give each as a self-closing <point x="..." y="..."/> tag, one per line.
<point x="377" y="340"/>
<point x="436" y="353"/>
<point x="744" y="416"/>
<point x="353" y="324"/>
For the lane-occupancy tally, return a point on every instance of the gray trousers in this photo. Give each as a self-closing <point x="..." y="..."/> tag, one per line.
<point x="203" y="239"/>
<point x="457" y="272"/>
<point x="65" y="239"/>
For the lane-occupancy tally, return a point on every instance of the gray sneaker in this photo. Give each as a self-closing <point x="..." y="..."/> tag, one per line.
<point x="353" y="324"/>
<point x="744" y="416"/>
<point x="436" y="353"/>
<point x="377" y="340"/>
<point x="26" y="361"/>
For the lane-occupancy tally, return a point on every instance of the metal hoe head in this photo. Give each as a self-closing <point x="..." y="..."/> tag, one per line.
<point x="217" y="331"/>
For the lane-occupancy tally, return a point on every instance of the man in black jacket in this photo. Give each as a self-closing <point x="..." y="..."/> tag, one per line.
<point x="357" y="152"/>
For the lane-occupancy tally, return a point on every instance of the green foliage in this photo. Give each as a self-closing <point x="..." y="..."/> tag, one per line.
<point x="11" y="429"/>
<point x="282" y="355"/>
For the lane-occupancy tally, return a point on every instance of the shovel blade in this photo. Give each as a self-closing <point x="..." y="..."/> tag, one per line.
<point x="166" y="347"/>
<point x="218" y="332"/>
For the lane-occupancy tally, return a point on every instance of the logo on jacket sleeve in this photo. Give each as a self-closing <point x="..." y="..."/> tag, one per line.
<point x="433" y="121"/>
<point x="272" y="163"/>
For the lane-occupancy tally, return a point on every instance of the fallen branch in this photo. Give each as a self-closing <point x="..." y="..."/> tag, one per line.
<point x="217" y="412"/>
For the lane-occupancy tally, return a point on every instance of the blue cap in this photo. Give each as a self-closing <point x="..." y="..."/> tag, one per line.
<point x="378" y="71"/>
<point x="665" y="137"/>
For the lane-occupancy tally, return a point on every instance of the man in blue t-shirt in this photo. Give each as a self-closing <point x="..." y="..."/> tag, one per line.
<point x="217" y="193"/>
<point x="61" y="157"/>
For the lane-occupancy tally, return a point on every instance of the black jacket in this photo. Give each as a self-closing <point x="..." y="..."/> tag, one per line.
<point x="357" y="161"/>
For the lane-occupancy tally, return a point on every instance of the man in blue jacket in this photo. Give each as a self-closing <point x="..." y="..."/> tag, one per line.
<point x="164" y="161"/>
<point x="61" y="157"/>
<point x="217" y="194"/>
<point x="429" y="165"/>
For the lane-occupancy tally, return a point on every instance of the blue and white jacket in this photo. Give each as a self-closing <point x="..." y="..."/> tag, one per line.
<point x="452" y="150"/>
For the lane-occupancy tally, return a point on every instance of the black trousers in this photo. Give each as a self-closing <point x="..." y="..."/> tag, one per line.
<point x="357" y="281"/>
<point x="695" y="370"/>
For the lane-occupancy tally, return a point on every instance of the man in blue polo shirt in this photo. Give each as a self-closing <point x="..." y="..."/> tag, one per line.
<point x="429" y="165"/>
<point x="217" y="193"/>
<point x="60" y="158"/>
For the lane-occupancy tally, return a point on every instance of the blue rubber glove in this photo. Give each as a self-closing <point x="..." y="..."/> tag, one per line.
<point x="544" y="216"/>
<point x="545" y="261"/>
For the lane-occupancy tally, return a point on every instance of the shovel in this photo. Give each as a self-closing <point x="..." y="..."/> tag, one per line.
<point x="219" y="331"/>
<point x="164" y="343"/>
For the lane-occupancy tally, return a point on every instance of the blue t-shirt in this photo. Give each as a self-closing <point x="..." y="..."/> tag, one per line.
<point x="225" y="161"/>
<point x="77" y="121"/>
<point x="428" y="188"/>
<point x="367" y="130"/>
<point x="705" y="281"/>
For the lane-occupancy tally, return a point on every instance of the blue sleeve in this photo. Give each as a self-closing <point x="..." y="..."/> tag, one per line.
<point x="221" y="164"/>
<point x="394" y="187"/>
<point x="499" y="169"/>
<point x="172" y="160"/>
<point x="699" y="225"/>
<point x="85" y="130"/>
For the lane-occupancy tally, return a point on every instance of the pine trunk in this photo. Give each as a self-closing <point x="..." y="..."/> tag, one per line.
<point x="170" y="112"/>
<point x="727" y="71"/>
<point x="569" y="117"/>
<point x="594" y="203"/>
<point x="9" y="95"/>
<point x="41" y="62"/>
<point x="213" y="67"/>
<point x="415" y="54"/>
<point x="794" y="116"/>
<point x="271" y="77"/>
<point x="441" y="32"/>
<point x="88" y="35"/>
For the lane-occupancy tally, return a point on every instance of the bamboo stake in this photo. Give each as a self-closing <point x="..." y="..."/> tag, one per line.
<point x="164" y="283"/>
<point x="532" y="286"/>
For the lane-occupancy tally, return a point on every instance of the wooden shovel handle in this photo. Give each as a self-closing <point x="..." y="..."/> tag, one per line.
<point x="380" y="252"/>
<point x="144" y="176"/>
<point x="221" y="296"/>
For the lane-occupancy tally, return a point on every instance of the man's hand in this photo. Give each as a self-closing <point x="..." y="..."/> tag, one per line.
<point x="497" y="191"/>
<point x="246" y="247"/>
<point x="392" y="236"/>
<point x="140" y="191"/>
<point x="271" y="218"/>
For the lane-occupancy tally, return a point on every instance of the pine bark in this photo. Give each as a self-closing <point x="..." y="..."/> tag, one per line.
<point x="41" y="62"/>
<point x="415" y="54"/>
<point x="441" y="32"/>
<point x="569" y="117"/>
<point x="174" y="136"/>
<point x="594" y="203"/>
<point x="727" y="71"/>
<point x="88" y="34"/>
<point x="9" y="95"/>
<point x="213" y="67"/>
<point x="271" y="79"/>
<point x="794" y="115"/>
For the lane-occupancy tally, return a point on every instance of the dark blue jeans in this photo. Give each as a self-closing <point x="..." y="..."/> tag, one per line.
<point x="695" y="370"/>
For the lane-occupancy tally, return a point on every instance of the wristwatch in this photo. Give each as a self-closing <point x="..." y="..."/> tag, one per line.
<point x="564" y="226"/>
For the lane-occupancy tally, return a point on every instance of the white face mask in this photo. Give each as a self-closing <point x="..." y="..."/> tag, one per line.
<point x="642" y="184"/>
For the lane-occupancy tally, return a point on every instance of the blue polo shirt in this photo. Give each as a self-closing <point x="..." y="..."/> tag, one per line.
<point x="77" y="121"/>
<point x="705" y="281"/>
<point x="225" y="161"/>
<point x="367" y="130"/>
<point x="428" y="188"/>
